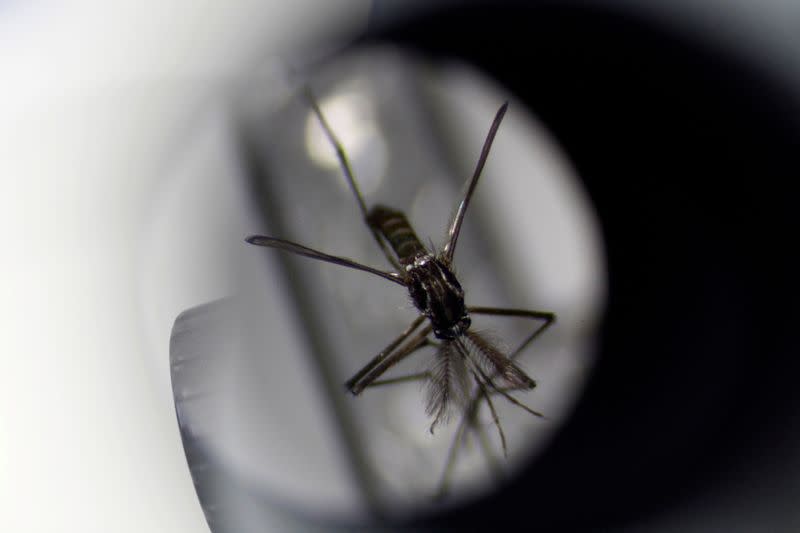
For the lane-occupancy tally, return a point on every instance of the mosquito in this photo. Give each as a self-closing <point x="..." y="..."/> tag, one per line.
<point x="463" y="357"/>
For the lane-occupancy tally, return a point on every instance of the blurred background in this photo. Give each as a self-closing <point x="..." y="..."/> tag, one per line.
<point x="110" y="114"/>
<point x="96" y="100"/>
<point x="266" y="405"/>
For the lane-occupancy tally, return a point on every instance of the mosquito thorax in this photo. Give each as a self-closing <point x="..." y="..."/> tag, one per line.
<point x="438" y="295"/>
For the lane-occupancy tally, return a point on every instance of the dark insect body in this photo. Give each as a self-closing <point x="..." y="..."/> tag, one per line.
<point x="463" y="356"/>
<point x="431" y="284"/>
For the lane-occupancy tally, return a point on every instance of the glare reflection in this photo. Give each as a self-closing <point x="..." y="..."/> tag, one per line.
<point x="351" y="115"/>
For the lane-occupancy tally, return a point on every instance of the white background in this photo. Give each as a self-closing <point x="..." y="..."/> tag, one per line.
<point x="92" y="98"/>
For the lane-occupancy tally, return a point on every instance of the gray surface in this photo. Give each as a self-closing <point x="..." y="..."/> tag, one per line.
<point x="262" y="398"/>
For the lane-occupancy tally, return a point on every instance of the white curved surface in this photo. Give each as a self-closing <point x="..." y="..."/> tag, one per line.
<point x="94" y="97"/>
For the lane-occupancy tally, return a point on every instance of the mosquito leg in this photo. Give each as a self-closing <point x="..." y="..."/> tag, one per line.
<point x="545" y="317"/>
<point x="347" y="170"/>
<point x="452" y="453"/>
<point x="495" y="418"/>
<point x="386" y="363"/>
<point x="483" y="382"/>
<point x="486" y="447"/>
<point x="420" y="376"/>
<point x="402" y="379"/>
<point x="299" y="249"/>
<point x="455" y="225"/>
<point x="506" y="395"/>
<point x="470" y="419"/>
<point x="350" y="384"/>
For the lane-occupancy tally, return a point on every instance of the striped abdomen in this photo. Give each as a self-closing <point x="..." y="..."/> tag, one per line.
<point x="394" y="227"/>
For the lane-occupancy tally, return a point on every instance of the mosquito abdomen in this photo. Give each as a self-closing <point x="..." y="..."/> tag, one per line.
<point x="394" y="227"/>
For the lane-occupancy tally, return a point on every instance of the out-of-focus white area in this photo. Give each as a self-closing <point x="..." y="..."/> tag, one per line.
<point x="193" y="253"/>
<point x="95" y="97"/>
<point x="356" y="130"/>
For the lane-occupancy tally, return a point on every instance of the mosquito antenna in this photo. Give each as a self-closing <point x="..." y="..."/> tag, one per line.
<point x="347" y="170"/>
<point x="288" y="246"/>
<point x="483" y="382"/>
<point x="506" y="395"/>
<point x="455" y="227"/>
<point x="452" y="453"/>
<point x="495" y="418"/>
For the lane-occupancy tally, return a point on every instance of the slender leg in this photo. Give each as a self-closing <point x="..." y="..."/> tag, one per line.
<point x="547" y="319"/>
<point x="419" y="376"/>
<point x="409" y="378"/>
<point x="484" y="380"/>
<point x="486" y="448"/>
<point x="505" y="395"/>
<point x="387" y="362"/>
<point x="455" y="225"/>
<point x="470" y="420"/>
<point x="348" y="173"/>
<point x="444" y="483"/>
<point x="350" y="384"/>
<point x="299" y="249"/>
<point x="495" y="418"/>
